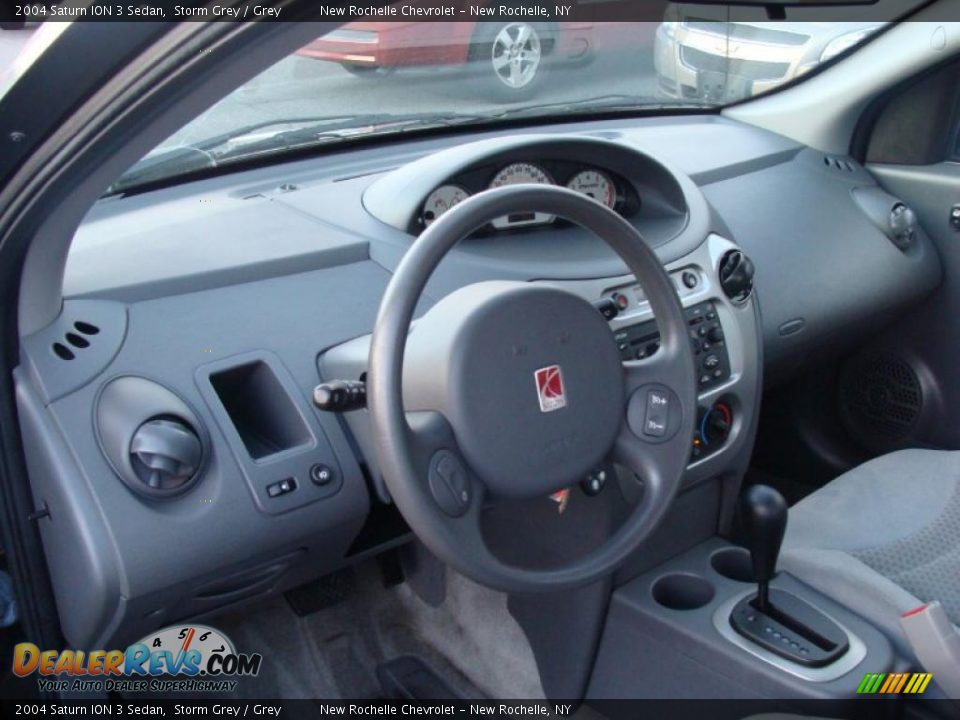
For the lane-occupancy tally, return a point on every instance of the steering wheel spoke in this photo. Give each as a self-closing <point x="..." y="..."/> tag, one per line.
<point x="439" y="463"/>
<point x="663" y="367"/>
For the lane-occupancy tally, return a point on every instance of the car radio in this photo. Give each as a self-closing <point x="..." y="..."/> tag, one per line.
<point x="706" y="337"/>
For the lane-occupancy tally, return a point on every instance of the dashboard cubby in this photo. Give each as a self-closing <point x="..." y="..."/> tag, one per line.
<point x="263" y="414"/>
<point x="272" y="432"/>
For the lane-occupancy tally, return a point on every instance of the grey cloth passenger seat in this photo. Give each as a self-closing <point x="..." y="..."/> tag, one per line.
<point x="883" y="538"/>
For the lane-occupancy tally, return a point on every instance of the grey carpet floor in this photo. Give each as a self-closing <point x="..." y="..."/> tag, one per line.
<point x="470" y="640"/>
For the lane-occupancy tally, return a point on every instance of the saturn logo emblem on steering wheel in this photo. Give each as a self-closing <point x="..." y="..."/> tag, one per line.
<point x="550" y="389"/>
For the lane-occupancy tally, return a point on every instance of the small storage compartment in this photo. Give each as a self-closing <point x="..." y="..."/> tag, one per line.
<point x="264" y="415"/>
<point x="682" y="591"/>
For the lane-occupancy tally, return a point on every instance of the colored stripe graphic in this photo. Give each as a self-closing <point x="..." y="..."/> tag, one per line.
<point x="894" y="683"/>
<point x="905" y="677"/>
<point x="870" y="683"/>
<point x="923" y="679"/>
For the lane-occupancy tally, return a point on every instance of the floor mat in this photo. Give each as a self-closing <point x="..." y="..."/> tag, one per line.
<point x="409" y="678"/>
<point x="470" y="641"/>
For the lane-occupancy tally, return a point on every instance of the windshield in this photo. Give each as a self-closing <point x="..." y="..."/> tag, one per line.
<point x="384" y="78"/>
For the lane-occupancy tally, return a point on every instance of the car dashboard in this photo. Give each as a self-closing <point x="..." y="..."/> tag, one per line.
<point x="206" y="313"/>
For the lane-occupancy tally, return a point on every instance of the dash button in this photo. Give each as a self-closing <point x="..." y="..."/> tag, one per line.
<point x="321" y="474"/>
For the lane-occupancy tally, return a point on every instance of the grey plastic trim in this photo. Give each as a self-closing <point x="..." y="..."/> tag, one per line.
<point x="55" y="376"/>
<point x="79" y="547"/>
<point x="683" y="646"/>
<point x="742" y="337"/>
<point x="288" y="463"/>
<point x="680" y="216"/>
<point x="109" y="258"/>
<point x="397" y="197"/>
<point x="819" y="259"/>
<point x="853" y="657"/>
<point x="122" y="406"/>
<point x="225" y="240"/>
<point x="877" y="205"/>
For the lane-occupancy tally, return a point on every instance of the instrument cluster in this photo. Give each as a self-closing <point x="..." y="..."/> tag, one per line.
<point x="604" y="186"/>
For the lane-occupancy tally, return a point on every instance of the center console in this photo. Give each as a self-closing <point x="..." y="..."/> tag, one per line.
<point x="669" y="634"/>
<point x="719" y="618"/>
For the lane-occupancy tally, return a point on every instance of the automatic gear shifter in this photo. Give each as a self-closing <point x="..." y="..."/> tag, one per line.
<point x="764" y="515"/>
<point x="774" y="619"/>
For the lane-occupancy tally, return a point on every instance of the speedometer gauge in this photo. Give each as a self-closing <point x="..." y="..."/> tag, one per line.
<point x="518" y="173"/>
<point x="595" y="184"/>
<point x="441" y="200"/>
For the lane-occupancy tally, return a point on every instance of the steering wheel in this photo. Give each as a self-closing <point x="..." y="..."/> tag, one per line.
<point x="510" y="390"/>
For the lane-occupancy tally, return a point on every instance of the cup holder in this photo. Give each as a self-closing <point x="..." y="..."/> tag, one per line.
<point x="682" y="591"/>
<point x="733" y="563"/>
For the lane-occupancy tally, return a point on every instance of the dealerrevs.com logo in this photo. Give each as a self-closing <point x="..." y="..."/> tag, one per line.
<point x="179" y="658"/>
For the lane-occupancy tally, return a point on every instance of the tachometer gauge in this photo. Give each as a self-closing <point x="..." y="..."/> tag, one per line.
<point x="517" y="174"/>
<point x="441" y="200"/>
<point x="595" y="184"/>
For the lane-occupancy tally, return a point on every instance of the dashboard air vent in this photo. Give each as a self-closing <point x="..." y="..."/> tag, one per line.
<point x="165" y="453"/>
<point x="736" y="276"/>
<point x="153" y="440"/>
<point x="902" y="225"/>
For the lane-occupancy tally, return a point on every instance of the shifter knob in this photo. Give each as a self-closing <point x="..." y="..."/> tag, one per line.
<point x="764" y="515"/>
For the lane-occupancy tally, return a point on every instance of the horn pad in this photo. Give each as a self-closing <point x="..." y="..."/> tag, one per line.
<point x="529" y="377"/>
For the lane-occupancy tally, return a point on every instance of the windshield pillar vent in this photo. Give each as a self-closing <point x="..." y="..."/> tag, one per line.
<point x="840" y="164"/>
<point x="78" y="338"/>
<point x="76" y="347"/>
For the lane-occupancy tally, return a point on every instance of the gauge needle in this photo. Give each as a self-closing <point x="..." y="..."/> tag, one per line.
<point x="187" y="639"/>
<point x="186" y="645"/>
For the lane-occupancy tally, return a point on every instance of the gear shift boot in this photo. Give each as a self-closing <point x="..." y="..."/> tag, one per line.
<point x="791" y="628"/>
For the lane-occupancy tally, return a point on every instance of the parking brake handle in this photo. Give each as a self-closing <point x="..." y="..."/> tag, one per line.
<point x="936" y="643"/>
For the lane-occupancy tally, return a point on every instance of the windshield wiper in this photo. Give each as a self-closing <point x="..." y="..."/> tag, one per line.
<point x="257" y="139"/>
<point x="601" y="103"/>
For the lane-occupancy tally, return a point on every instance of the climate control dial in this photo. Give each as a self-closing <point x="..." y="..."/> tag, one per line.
<point x="713" y="430"/>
